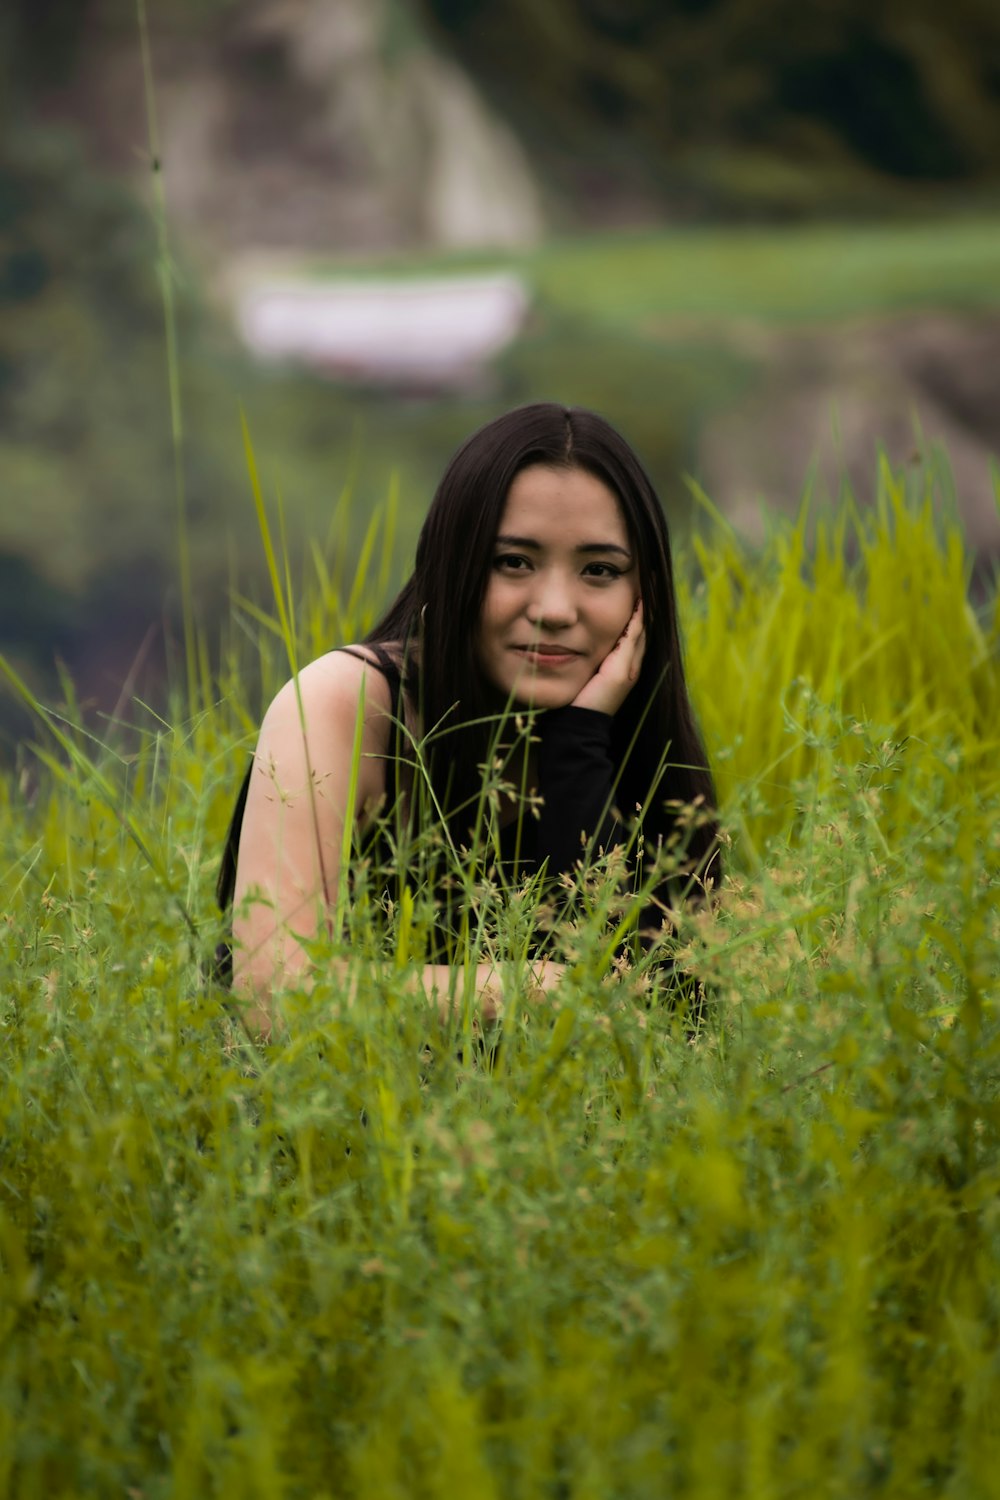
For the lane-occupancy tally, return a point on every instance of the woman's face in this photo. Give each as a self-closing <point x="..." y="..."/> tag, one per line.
<point x="563" y="585"/>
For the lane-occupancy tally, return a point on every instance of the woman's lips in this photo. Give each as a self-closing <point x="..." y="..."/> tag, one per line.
<point x="547" y="656"/>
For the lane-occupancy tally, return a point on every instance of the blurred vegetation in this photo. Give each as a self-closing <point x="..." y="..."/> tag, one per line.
<point x="720" y="106"/>
<point x="85" y="444"/>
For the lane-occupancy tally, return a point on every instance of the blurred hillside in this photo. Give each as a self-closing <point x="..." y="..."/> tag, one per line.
<point x="457" y="135"/>
<point x="297" y="125"/>
<point x="379" y="124"/>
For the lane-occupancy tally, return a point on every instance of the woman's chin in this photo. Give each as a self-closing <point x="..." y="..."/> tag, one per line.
<point x="537" y="693"/>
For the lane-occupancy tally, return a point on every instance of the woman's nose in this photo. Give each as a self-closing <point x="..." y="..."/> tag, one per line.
<point x="552" y="603"/>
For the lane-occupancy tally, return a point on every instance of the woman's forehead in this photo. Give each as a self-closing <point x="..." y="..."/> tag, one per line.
<point x="563" y="499"/>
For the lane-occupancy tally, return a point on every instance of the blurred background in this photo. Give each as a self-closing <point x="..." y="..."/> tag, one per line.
<point x="762" y="237"/>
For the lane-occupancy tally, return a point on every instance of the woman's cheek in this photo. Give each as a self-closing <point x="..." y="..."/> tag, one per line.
<point x="500" y="601"/>
<point x="618" y="622"/>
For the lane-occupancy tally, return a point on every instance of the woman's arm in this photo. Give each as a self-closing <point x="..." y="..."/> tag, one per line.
<point x="297" y="804"/>
<point x="299" y="800"/>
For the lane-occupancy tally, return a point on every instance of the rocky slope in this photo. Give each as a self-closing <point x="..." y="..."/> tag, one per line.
<point x="324" y="126"/>
<point x="920" y="387"/>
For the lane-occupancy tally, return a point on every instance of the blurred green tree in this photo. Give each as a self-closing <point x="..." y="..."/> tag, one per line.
<point x="89" y="536"/>
<point x="742" y="104"/>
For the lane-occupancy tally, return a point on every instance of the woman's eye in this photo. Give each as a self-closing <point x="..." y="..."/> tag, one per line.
<point x="516" y="562"/>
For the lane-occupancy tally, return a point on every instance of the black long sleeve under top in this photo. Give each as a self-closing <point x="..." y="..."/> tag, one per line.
<point x="576" y="782"/>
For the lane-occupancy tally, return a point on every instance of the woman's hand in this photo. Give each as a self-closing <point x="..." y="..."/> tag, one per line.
<point x="537" y="981"/>
<point x="619" y="671"/>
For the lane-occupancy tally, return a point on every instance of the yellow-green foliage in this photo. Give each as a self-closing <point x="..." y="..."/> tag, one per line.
<point x="617" y="1254"/>
<point x="799" y="657"/>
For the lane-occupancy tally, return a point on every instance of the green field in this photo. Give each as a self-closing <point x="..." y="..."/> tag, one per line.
<point x="804" y="272"/>
<point x="611" y="1253"/>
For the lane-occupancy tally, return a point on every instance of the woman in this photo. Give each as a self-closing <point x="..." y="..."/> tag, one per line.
<point x="543" y="582"/>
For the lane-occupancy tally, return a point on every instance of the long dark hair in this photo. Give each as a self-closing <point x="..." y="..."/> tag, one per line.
<point x="441" y="604"/>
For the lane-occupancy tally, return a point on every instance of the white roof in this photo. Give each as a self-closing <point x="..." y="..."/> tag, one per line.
<point x="432" y="332"/>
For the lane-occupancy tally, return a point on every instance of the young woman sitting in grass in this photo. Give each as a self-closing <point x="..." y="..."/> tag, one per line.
<point x="525" y="685"/>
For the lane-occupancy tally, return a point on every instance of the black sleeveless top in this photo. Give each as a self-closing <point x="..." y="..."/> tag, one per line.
<point x="575" y="776"/>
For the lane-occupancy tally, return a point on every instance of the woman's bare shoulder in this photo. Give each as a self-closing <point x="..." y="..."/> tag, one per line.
<point x="328" y="693"/>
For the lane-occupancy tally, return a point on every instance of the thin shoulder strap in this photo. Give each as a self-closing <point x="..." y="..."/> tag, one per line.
<point x="394" y="677"/>
<point x="226" y="883"/>
<point x="386" y="665"/>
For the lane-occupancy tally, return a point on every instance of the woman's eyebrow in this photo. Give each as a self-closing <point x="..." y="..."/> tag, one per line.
<point x="530" y="544"/>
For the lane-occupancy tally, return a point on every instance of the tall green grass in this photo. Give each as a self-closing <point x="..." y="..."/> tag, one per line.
<point x="605" y="1252"/>
<point x="799" y="656"/>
